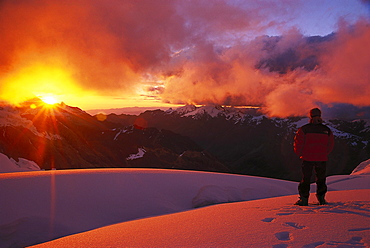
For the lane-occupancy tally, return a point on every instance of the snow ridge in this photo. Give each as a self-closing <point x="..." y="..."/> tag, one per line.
<point x="362" y="169"/>
<point x="12" y="117"/>
<point x="10" y="165"/>
<point x="213" y="111"/>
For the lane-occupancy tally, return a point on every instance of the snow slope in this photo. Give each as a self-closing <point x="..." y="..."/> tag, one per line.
<point x="10" y="116"/>
<point x="362" y="169"/>
<point x="10" y="165"/>
<point x="271" y="222"/>
<point x="123" y="203"/>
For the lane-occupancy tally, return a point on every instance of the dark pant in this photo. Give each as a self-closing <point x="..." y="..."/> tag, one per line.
<point x="320" y="172"/>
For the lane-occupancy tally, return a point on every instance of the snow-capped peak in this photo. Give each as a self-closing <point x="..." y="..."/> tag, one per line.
<point x="213" y="111"/>
<point x="182" y="110"/>
<point x="11" y="165"/>
<point x="13" y="116"/>
<point x="210" y="110"/>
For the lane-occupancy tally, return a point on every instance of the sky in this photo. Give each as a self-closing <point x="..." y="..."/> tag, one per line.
<point x="97" y="54"/>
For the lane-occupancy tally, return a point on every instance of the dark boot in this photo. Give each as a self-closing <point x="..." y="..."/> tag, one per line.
<point x="303" y="201"/>
<point x="321" y="199"/>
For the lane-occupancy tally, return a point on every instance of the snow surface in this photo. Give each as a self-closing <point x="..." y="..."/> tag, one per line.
<point x="362" y="169"/>
<point x="141" y="152"/>
<point x="10" y="165"/>
<point x="213" y="111"/>
<point x="12" y="117"/>
<point x="174" y="208"/>
<point x="262" y="223"/>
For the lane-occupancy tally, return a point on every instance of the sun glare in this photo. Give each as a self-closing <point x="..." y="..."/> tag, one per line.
<point x="51" y="100"/>
<point x="47" y="82"/>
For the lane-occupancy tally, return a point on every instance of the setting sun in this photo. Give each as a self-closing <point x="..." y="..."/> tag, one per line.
<point x="50" y="83"/>
<point x="51" y="100"/>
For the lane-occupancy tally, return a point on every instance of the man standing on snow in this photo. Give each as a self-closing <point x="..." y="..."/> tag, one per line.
<point x="312" y="143"/>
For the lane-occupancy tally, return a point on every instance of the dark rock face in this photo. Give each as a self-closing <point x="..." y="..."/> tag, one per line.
<point x="249" y="143"/>
<point x="210" y="139"/>
<point x="66" y="138"/>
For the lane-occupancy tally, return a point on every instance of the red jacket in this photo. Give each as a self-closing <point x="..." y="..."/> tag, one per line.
<point x="313" y="142"/>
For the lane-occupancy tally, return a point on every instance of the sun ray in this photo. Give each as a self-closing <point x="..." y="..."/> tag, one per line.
<point x="50" y="99"/>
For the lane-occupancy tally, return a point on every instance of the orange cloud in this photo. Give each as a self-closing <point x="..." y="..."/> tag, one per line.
<point x="65" y="36"/>
<point x="299" y="73"/>
<point x="342" y="76"/>
<point x="179" y="52"/>
<point x="346" y="67"/>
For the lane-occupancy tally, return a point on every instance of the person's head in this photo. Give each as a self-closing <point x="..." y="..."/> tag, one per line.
<point x="315" y="116"/>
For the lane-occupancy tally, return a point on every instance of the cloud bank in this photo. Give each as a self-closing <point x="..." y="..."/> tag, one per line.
<point x="185" y="52"/>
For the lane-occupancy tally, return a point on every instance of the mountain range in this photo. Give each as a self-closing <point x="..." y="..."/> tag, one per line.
<point x="207" y="138"/>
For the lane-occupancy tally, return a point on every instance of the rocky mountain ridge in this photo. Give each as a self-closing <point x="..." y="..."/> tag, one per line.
<point x="212" y="138"/>
<point x="63" y="137"/>
<point x="251" y="143"/>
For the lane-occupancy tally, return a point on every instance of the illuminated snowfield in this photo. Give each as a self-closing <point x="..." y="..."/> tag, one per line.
<point x="167" y="208"/>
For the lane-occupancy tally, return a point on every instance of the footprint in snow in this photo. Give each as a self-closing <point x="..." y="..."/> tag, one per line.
<point x="313" y="245"/>
<point x="280" y="246"/>
<point x="359" y="229"/>
<point x="295" y="225"/>
<point x="353" y="242"/>
<point x="283" y="236"/>
<point x="285" y="213"/>
<point x="268" y="219"/>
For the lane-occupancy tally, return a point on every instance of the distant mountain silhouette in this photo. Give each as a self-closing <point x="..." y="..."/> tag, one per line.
<point x="250" y="143"/>
<point x="209" y="138"/>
